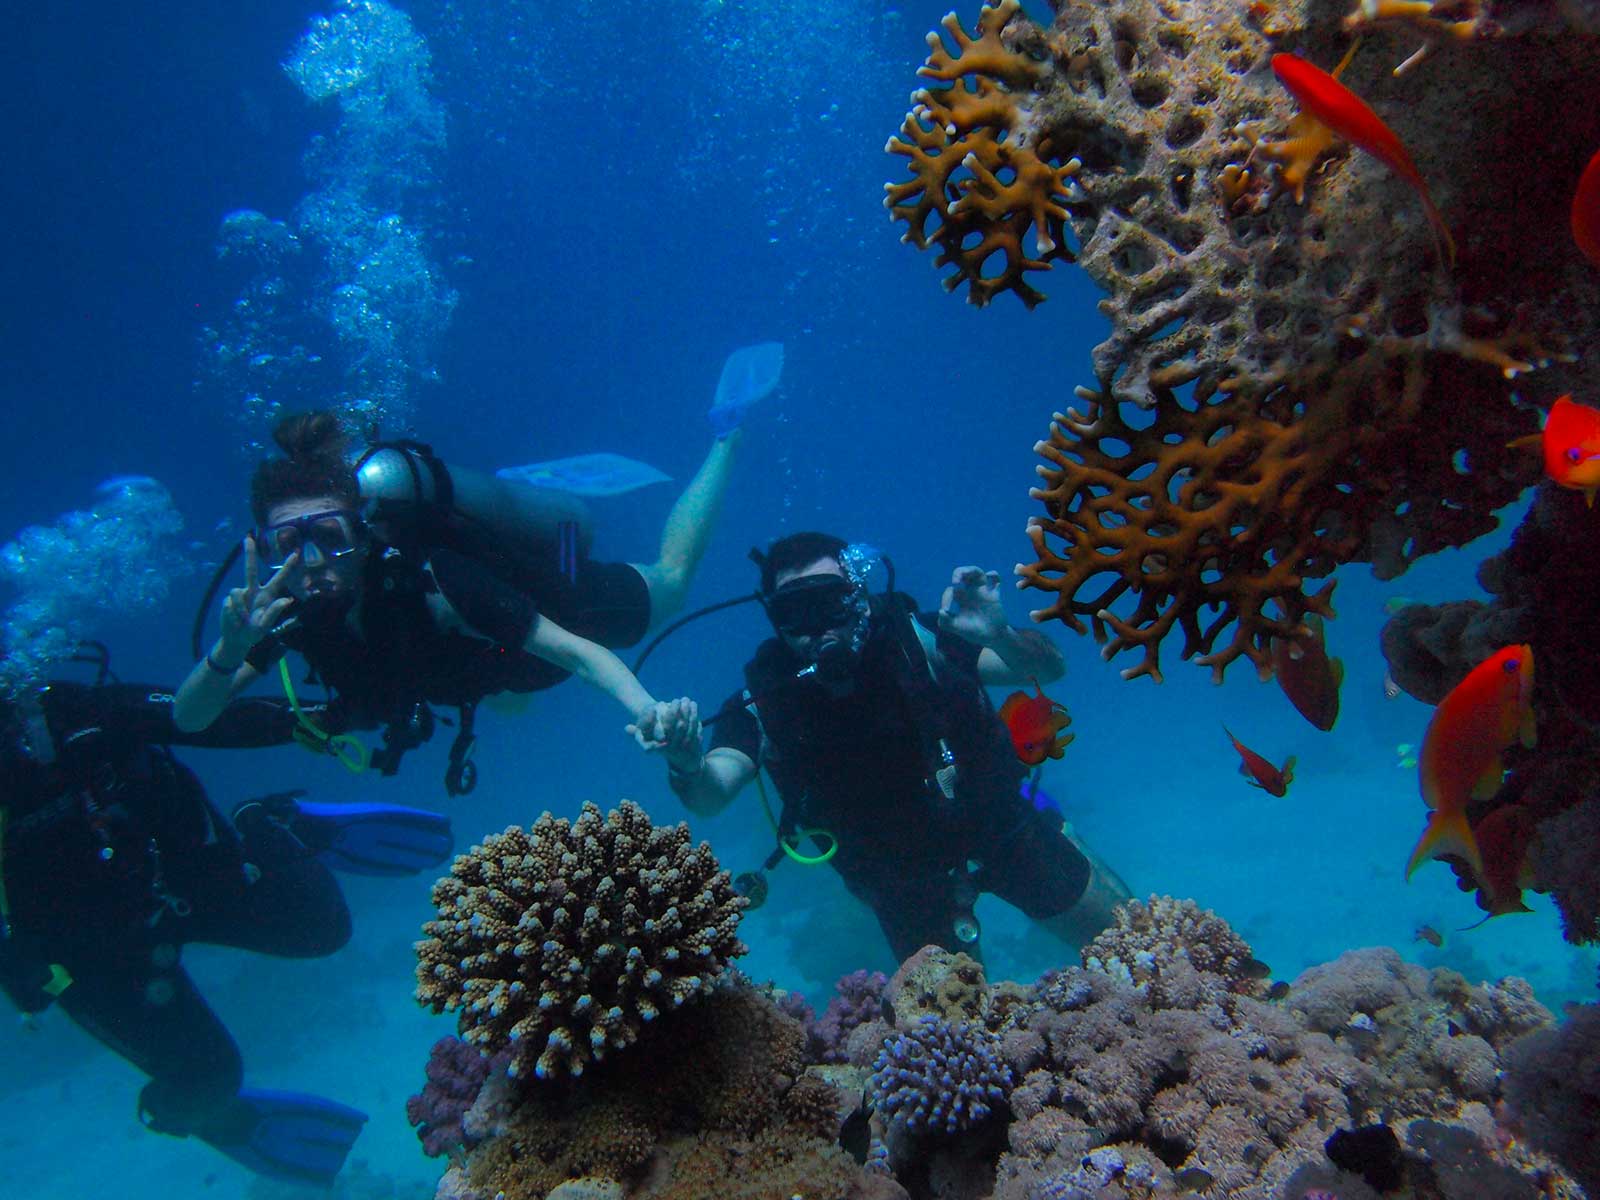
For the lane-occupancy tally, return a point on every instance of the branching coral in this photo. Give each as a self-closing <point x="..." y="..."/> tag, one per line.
<point x="940" y="1077"/>
<point x="558" y="942"/>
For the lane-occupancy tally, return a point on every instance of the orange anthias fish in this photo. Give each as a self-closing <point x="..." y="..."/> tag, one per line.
<point x="1570" y="442"/>
<point x="1273" y="780"/>
<point x="1586" y="211"/>
<point x="1461" y="751"/>
<point x="1308" y="676"/>
<point x="1035" y="723"/>
<point x="1322" y="96"/>
<point x="1503" y="839"/>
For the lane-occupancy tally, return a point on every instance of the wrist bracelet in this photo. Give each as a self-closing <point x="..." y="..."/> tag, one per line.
<point x="218" y="668"/>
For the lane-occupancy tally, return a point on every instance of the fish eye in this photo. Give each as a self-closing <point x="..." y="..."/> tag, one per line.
<point x="1510" y="665"/>
<point x="1574" y="454"/>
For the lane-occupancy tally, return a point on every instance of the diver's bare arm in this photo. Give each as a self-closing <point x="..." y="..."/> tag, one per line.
<point x="207" y="691"/>
<point x="1019" y="655"/>
<point x="589" y="661"/>
<point x="723" y="773"/>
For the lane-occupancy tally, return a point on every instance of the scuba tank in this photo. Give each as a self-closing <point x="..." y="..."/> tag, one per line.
<point x="414" y="499"/>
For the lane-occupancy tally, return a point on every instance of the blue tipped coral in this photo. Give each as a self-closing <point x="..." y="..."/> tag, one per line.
<point x="939" y="1077"/>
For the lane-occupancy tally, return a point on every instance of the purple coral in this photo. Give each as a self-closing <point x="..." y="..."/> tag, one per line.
<point x="940" y="1076"/>
<point x="455" y="1072"/>
<point x="857" y="999"/>
<point x="1552" y="1092"/>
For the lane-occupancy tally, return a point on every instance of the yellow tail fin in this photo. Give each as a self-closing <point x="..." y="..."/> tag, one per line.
<point x="1447" y="834"/>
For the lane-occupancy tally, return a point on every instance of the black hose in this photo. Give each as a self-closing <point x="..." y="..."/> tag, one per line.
<point x="682" y="621"/>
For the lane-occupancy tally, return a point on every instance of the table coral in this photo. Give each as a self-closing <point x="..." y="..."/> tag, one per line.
<point x="560" y="941"/>
<point x="1268" y="287"/>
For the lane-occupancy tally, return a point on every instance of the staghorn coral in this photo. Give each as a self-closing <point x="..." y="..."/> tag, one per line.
<point x="560" y="941"/>
<point x="939" y="1077"/>
<point x="1317" y="400"/>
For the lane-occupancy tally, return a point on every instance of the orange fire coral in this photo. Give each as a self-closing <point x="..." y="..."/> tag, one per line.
<point x="1213" y="508"/>
<point x="980" y="124"/>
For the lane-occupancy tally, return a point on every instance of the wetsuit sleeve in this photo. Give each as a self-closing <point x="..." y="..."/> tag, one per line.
<point x="482" y="599"/>
<point x="738" y="729"/>
<point x="144" y="712"/>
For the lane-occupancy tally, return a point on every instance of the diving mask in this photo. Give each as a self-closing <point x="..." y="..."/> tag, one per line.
<point x="811" y="605"/>
<point x="331" y="534"/>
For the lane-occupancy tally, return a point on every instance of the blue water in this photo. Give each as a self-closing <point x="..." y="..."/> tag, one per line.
<point x="627" y="192"/>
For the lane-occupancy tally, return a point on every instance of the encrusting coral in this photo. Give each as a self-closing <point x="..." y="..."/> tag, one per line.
<point x="1309" y="384"/>
<point x="557" y="943"/>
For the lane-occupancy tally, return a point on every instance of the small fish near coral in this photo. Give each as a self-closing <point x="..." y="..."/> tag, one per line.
<point x="1461" y="758"/>
<point x="1427" y="933"/>
<point x="1308" y="676"/>
<point x="1273" y="780"/>
<point x="1035" y="723"/>
<point x="1324" y="98"/>
<point x="1586" y="211"/>
<point x="1570" y="443"/>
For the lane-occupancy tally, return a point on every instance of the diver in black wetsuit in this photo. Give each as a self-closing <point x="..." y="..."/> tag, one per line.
<point x="873" y="721"/>
<point x="112" y="858"/>
<point x="406" y="583"/>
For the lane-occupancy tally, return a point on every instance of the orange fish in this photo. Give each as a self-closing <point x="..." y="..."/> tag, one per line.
<point x="1570" y="441"/>
<point x="1586" y="211"/>
<point x="1308" y="676"/>
<point x="1460" y="758"/>
<point x="1035" y="723"/>
<point x="1323" y="97"/>
<point x="1262" y="774"/>
<point x="1503" y="839"/>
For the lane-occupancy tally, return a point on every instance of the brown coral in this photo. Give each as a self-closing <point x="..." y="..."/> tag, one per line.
<point x="1148" y="938"/>
<point x="559" y="942"/>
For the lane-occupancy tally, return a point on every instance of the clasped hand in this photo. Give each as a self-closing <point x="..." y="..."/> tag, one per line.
<point x="673" y="728"/>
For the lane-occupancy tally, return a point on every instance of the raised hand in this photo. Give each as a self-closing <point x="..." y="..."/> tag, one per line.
<point x="251" y="612"/>
<point x="971" y="608"/>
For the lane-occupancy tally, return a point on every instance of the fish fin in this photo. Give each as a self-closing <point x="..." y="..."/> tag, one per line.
<point x="1336" y="669"/>
<point x="1529" y="731"/>
<point x="1447" y="833"/>
<point x="1588" y="496"/>
<point x="1528" y="441"/>
<point x="1487" y="784"/>
<point x="1011" y="704"/>
<point x="1287" y="770"/>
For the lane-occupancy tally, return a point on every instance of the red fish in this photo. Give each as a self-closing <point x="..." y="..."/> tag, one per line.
<point x="1323" y="97"/>
<point x="1503" y="838"/>
<point x="1308" y="676"/>
<point x="1460" y="759"/>
<point x="1035" y="723"/>
<point x="1586" y="211"/>
<point x="1273" y="780"/>
<point x="1571" y="445"/>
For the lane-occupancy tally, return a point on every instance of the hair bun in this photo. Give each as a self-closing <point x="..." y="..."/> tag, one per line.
<point x="311" y="435"/>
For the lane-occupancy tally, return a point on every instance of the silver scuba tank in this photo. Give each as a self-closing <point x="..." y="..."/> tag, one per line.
<point x="408" y="495"/>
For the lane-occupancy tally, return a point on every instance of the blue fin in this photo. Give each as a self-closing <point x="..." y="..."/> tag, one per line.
<point x="374" y="839"/>
<point x="750" y="373"/>
<point x="602" y="474"/>
<point x="291" y="1135"/>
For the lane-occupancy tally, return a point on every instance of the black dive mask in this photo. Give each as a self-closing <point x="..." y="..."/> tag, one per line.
<point x="811" y="605"/>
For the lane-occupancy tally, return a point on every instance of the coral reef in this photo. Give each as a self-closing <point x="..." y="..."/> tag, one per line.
<point x="1539" y="594"/>
<point x="1275" y="397"/>
<point x="939" y="1077"/>
<point x="1147" y="939"/>
<point x="559" y="942"/>
<point x="1552" y="1092"/>
<point x="456" y="1072"/>
<point x="857" y="999"/>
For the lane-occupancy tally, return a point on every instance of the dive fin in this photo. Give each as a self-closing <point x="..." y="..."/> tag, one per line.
<point x="602" y="474"/>
<point x="749" y="374"/>
<point x="290" y="1135"/>
<point x="374" y="839"/>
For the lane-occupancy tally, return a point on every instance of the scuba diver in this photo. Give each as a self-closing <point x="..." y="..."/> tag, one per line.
<point x="113" y="858"/>
<point x="889" y="757"/>
<point x="406" y="583"/>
